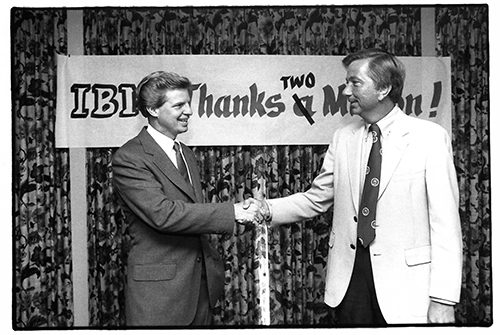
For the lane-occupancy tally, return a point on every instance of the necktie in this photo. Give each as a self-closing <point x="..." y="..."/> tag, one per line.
<point x="181" y="166"/>
<point x="368" y="206"/>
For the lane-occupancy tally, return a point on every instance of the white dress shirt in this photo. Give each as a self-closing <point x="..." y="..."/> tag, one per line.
<point x="167" y="145"/>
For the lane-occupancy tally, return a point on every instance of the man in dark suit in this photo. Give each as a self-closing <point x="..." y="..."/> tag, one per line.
<point x="174" y="275"/>
<point x="396" y="258"/>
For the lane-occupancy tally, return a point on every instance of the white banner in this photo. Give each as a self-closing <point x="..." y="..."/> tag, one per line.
<point x="238" y="100"/>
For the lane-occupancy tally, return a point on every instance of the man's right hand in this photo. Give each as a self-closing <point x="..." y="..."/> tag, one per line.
<point x="248" y="211"/>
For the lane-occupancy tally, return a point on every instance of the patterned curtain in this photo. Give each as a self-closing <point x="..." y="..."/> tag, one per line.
<point x="43" y="292"/>
<point x="108" y="243"/>
<point x="297" y="252"/>
<point x="462" y="34"/>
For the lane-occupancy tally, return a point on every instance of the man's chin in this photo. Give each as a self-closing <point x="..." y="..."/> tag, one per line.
<point x="354" y="110"/>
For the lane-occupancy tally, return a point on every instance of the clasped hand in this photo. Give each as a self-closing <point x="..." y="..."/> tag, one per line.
<point x="252" y="210"/>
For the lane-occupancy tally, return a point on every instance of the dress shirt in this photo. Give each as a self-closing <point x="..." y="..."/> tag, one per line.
<point x="167" y="145"/>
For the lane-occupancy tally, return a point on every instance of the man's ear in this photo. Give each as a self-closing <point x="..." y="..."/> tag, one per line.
<point x="153" y="112"/>
<point x="384" y="92"/>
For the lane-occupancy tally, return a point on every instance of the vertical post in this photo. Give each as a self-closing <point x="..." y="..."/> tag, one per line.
<point x="264" y="288"/>
<point x="262" y="257"/>
<point x="428" y="24"/>
<point x="78" y="180"/>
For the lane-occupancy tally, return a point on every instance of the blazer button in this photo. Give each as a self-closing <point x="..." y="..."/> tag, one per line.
<point x="353" y="247"/>
<point x="355" y="219"/>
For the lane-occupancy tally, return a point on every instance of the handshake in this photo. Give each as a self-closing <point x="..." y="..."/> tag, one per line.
<point x="252" y="211"/>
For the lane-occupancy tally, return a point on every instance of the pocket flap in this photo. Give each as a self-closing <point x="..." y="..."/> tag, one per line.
<point x="154" y="272"/>
<point x="418" y="255"/>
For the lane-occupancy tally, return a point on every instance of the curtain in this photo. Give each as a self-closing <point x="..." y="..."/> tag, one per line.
<point x="42" y="292"/>
<point x="297" y="252"/>
<point x="42" y="274"/>
<point x="462" y="34"/>
<point x="108" y="243"/>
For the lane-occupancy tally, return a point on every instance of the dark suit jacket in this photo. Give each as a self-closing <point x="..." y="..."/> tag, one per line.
<point x="168" y="225"/>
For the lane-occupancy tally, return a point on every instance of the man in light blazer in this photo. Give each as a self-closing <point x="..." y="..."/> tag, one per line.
<point x="411" y="271"/>
<point x="174" y="275"/>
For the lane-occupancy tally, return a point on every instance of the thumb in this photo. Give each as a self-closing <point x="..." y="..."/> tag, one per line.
<point x="247" y="203"/>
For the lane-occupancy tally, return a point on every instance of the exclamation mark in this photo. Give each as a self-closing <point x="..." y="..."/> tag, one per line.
<point x="435" y="99"/>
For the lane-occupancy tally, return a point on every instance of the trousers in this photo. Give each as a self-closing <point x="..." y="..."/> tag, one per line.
<point x="360" y="305"/>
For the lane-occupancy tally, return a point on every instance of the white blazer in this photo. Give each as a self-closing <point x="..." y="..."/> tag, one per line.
<point x="417" y="252"/>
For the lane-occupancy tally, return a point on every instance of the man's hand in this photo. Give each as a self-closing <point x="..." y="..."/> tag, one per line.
<point x="263" y="207"/>
<point x="440" y="313"/>
<point x="248" y="211"/>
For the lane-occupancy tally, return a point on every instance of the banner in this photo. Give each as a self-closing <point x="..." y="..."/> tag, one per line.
<point x="237" y="99"/>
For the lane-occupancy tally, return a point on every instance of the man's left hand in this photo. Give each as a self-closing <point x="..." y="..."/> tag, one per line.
<point x="440" y="313"/>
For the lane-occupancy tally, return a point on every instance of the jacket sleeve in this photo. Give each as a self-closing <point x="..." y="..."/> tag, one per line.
<point x="137" y="184"/>
<point x="445" y="228"/>
<point x="315" y="201"/>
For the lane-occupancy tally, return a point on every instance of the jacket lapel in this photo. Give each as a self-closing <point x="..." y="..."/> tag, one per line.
<point x="354" y="162"/>
<point x="393" y="150"/>
<point x="165" y="165"/>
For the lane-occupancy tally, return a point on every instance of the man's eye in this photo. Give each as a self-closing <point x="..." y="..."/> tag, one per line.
<point x="353" y="82"/>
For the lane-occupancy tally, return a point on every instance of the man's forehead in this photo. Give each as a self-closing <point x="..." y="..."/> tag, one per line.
<point x="358" y="68"/>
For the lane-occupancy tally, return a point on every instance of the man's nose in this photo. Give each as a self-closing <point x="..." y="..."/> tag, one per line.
<point x="187" y="110"/>
<point x="347" y="90"/>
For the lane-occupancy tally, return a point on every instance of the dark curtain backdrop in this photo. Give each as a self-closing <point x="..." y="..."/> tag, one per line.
<point x="297" y="252"/>
<point x="462" y="34"/>
<point x="42" y="283"/>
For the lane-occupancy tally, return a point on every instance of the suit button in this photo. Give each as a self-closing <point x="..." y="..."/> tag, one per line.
<point x="355" y="219"/>
<point x="353" y="247"/>
<point x="198" y="259"/>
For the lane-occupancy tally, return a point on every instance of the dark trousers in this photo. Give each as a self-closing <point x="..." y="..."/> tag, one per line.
<point x="360" y="305"/>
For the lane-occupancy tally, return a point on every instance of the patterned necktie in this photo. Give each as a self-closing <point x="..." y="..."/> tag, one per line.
<point x="181" y="166"/>
<point x="368" y="206"/>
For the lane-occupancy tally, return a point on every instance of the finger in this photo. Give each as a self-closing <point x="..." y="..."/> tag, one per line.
<point x="246" y="203"/>
<point x="264" y="210"/>
<point x="258" y="217"/>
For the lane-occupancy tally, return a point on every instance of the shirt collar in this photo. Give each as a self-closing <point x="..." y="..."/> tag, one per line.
<point x="386" y="122"/>
<point x="165" y="142"/>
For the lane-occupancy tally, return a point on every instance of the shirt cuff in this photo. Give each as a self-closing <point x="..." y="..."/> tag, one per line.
<point x="443" y="301"/>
